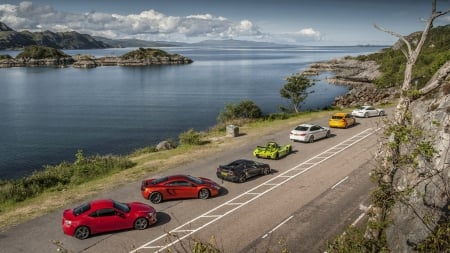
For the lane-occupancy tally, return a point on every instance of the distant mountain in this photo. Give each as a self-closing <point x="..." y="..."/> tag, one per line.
<point x="121" y="43"/>
<point x="236" y="43"/>
<point x="11" y="39"/>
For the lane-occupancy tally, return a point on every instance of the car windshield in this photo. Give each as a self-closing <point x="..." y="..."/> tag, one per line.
<point x="121" y="206"/>
<point x="195" y="179"/>
<point x="81" y="209"/>
<point x="301" y="128"/>
<point x="336" y="117"/>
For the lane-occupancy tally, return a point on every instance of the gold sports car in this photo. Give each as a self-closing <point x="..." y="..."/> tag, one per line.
<point x="342" y="120"/>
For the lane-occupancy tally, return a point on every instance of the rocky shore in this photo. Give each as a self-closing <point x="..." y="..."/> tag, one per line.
<point x="358" y="76"/>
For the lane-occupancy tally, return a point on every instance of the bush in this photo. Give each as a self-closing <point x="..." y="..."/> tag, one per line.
<point x="245" y="109"/>
<point x="190" y="137"/>
<point x="60" y="176"/>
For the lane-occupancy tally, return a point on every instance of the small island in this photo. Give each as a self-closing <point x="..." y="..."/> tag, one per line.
<point x="34" y="56"/>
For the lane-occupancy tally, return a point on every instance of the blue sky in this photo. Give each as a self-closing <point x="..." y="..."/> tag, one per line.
<point x="313" y="22"/>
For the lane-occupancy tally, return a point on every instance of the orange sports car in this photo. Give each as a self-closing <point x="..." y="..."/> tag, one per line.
<point x="178" y="187"/>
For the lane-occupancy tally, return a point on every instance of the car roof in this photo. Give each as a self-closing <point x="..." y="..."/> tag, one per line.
<point x="306" y="125"/>
<point x="101" y="203"/>
<point x="340" y="113"/>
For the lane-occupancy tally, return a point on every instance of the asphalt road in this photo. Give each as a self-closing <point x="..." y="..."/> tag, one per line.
<point x="313" y="194"/>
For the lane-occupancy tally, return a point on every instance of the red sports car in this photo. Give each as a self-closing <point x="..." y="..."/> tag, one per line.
<point x="178" y="187"/>
<point x="104" y="215"/>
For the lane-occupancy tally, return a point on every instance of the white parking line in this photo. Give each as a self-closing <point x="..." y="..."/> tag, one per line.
<point x="185" y="230"/>
<point x="279" y="225"/>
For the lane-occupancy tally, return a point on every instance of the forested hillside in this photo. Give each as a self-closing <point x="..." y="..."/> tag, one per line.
<point x="10" y="39"/>
<point x="392" y="60"/>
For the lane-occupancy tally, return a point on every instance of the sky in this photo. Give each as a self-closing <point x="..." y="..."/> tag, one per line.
<point x="299" y="22"/>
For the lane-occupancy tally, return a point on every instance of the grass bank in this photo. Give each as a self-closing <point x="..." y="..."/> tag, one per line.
<point x="87" y="177"/>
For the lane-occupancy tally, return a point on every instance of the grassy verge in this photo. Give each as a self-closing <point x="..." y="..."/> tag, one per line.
<point x="134" y="167"/>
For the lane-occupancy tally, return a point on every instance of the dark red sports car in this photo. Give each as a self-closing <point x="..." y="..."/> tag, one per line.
<point x="105" y="215"/>
<point x="178" y="187"/>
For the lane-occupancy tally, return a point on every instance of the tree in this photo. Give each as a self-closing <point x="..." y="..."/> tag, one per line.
<point x="245" y="109"/>
<point x="405" y="143"/>
<point x="296" y="89"/>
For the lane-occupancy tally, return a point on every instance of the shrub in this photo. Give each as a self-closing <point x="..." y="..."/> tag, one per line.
<point x="245" y="109"/>
<point x="190" y="137"/>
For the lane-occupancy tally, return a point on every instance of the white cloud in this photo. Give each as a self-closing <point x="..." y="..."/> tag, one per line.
<point x="146" y="25"/>
<point x="149" y="24"/>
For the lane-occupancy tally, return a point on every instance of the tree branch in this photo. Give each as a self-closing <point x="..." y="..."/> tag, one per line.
<point x="401" y="37"/>
<point x="437" y="79"/>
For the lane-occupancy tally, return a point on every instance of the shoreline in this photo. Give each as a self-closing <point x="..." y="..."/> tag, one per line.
<point x="358" y="76"/>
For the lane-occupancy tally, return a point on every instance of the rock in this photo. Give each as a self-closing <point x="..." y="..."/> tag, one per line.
<point x="358" y="76"/>
<point x="165" y="145"/>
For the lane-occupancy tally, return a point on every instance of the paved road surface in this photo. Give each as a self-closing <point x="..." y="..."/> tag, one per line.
<point x="311" y="197"/>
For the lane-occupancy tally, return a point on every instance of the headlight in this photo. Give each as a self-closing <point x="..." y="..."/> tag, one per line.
<point x="216" y="187"/>
<point x="67" y="222"/>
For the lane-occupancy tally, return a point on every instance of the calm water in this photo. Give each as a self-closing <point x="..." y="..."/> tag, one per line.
<point x="47" y="114"/>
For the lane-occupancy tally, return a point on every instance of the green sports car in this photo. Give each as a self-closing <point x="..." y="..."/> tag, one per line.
<point x="272" y="150"/>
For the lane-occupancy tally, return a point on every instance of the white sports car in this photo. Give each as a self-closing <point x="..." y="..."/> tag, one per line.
<point x="367" y="111"/>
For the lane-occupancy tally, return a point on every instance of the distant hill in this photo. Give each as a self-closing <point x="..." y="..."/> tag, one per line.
<point x="121" y="43"/>
<point x="237" y="43"/>
<point x="11" y="39"/>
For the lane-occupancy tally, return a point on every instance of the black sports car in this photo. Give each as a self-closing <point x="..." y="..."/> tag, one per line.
<point x="240" y="170"/>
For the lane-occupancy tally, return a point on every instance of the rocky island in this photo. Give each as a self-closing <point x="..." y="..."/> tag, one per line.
<point x="34" y="56"/>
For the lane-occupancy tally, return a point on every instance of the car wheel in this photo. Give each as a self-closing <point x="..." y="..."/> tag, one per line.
<point x="140" y="223"/>
<point x="155" y="197"/>
<point x="203" y="194"/>
<point x="277" y="155"/>
<point x="328" y="134"/>
<point x="311" y="139"/>
<point x="257" y="156"/>
<point x="82" y="232"/>
<point x="381" y="113"/>
<point x="266" y="171"/>
<point x="366" y="115"/>
<point x="289" y="150"/>
<point x="242" y="178"/>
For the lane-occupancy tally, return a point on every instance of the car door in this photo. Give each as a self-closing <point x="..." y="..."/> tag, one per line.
<point x="181" y="189"/>
<point x="350" y="120"/>
<point x="372" y="111"/>
<point x="317" y="132"/>
<point x="251" y="168"/>
<point x="107" y="219"/>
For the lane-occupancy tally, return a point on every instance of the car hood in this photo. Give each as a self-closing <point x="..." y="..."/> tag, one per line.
<point x="141" y="207"/>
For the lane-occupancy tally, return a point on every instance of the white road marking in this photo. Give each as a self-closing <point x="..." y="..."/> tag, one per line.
<point x="185" y="230"/>
<point x="361" y="216"/>
<point x="340" y="182"/>
<point x="279" y="225"/>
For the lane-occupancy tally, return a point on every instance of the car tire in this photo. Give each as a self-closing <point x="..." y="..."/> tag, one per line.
<point x="155" y="197"/>
<point x="266" y="171"/>
<point x="203" y="194"/>
<point x="242" y="178"/>
<point x="82" y="232"/>
<point x="277" y="156"/>
<point x="140" y="223"/>
<point x="290" y="149"/>
<point x="366" y="115"/>
<point x="311" y="139"/>
<point x="328" y="134"/>
<point x="381" y="113"/>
